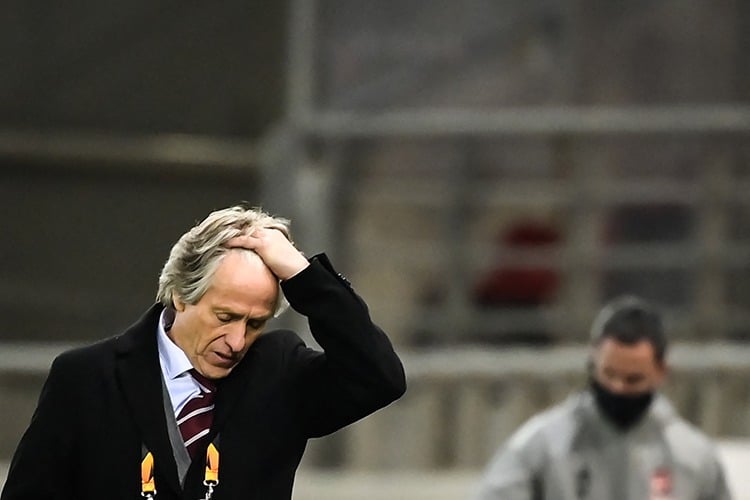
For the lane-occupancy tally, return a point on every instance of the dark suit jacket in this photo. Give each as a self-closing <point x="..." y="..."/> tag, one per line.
<point x="101" y="404"/>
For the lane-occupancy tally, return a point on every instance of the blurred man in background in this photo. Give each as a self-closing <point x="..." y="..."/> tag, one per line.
<point x="192" y="399"/>
<point x="619" y="439"/>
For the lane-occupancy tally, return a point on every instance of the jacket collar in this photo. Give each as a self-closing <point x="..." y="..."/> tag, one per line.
<point x="139" y="375"/>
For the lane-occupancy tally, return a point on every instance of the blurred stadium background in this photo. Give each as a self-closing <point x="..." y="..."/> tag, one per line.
<point x="486" y="172"/>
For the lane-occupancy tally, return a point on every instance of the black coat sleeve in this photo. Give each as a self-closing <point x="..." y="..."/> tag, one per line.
<point x="358" y="372"/>
<point x="42" y="466"/>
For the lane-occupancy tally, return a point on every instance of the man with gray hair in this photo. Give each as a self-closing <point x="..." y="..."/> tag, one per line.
<point x="619" y="439"/>
<point x="195" y="400"/>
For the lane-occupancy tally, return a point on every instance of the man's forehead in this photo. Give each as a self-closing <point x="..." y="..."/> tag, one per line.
<point x="613" y="350"/>
<point x="241" y="259"/>
<point x="238" y="273"/>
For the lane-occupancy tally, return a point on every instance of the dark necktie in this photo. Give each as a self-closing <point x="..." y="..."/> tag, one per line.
<point x="196" y="416"/>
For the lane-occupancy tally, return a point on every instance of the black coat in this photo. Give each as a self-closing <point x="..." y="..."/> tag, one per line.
<point x="103" y="403"/>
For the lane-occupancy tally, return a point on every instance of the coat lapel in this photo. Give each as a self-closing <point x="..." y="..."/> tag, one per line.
<point x="230" y="390"/>
<point x="139" y="374"/>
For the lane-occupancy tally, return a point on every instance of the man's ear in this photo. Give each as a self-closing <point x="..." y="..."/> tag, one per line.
<point x="591" y="359"/>
<point x="177" y="303"/>
<point x="590" y="366"/>
<point x="663" y="370"/>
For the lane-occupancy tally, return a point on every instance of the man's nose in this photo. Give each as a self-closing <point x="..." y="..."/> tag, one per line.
<point x="618" y="386"/>
<point x="235" y="337"/>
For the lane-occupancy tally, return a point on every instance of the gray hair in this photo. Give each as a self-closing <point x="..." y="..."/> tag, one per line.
<point x="195" y="257"/>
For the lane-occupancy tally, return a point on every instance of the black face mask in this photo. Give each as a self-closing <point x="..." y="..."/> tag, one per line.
<point x="624" y="411"/>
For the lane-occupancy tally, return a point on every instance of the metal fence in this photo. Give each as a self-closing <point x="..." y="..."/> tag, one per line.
<point x="461" y="403"/>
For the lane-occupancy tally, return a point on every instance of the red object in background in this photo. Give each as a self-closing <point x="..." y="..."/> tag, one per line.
<point x="521" y="285"/>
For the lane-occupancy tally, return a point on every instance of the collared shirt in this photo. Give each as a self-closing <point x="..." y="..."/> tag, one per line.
<point x="175" y="367"/>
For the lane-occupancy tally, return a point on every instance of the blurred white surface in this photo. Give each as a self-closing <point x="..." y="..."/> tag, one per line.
<point x="736" y="457"/>
<point x="405" y="485"/>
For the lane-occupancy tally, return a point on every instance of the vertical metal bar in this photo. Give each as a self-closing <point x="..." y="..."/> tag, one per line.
<point x="454" y="237"/>
<point x="711" y="239"/>
<point x="582" y="286"/>
<point x="743" y="51"/>
<point x="301" y="60"/>
<point x="283" y="151"/>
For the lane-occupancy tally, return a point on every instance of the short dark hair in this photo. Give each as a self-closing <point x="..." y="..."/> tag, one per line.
<point x="630" y="319"/>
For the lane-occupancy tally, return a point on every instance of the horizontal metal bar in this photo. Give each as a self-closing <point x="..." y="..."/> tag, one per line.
<point x="541" y="120"/>
<point x="30" y="358"/>
<point x="489" y="363"/>
<point x="97" y="148"/>
<point x="682" y="255"/>
<point x="498" y="364"/>
<point x="431" y="192"/>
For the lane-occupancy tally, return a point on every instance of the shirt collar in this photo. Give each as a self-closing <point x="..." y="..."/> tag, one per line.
<point x="174" y="361"/>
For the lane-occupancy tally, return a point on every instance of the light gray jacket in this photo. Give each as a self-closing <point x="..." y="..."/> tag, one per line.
<point x="570" y="452"/>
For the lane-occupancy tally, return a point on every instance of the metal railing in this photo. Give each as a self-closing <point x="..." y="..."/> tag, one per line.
<point x="139" y="152"/>
<point x="461" y="403"/>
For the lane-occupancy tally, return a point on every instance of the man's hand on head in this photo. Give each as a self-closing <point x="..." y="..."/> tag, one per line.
<point x="278" y="253"/>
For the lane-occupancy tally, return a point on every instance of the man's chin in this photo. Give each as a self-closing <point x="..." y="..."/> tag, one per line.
<point x="216" y="372"/>
<point x="217" y="369"/>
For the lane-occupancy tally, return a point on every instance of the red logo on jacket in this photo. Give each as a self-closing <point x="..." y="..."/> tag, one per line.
<point x="661" y="483"/>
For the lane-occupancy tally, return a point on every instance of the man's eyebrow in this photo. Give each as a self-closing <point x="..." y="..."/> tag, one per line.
<point x="228" y="312"/>
<point x="232" y="314"/>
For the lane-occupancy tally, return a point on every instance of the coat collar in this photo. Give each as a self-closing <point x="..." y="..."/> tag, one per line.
<point x="231" y="389"/>
<point x="139" y="374"/>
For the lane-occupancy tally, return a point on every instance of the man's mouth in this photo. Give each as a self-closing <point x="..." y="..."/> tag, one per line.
<point x="225" y="360"/>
